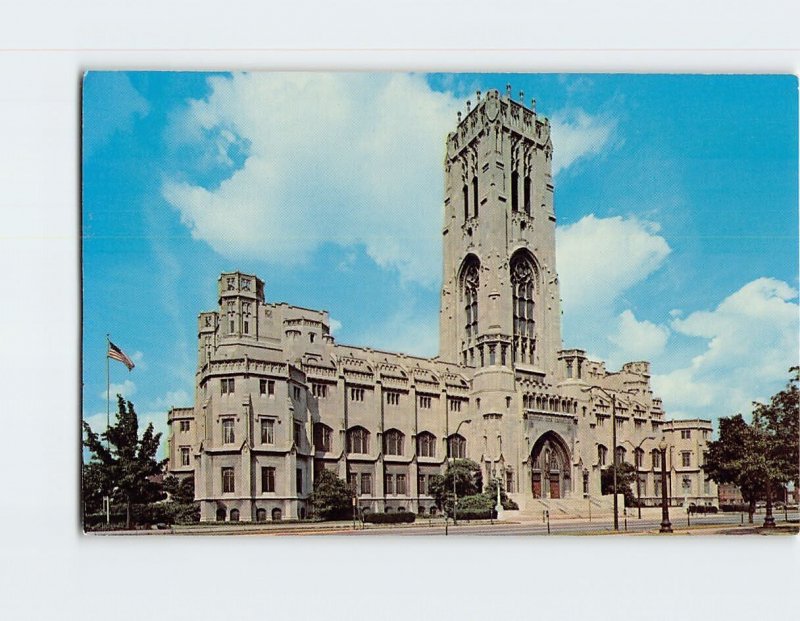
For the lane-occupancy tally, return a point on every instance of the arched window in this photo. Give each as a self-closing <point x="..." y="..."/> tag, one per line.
<point x="470" y="279"/>
<point x="261" y="515"/>
<point x="277" y="515"/>
<point x="515" y="191"/>
<point x="522" y="282"/>
<point x="620" y="454"/>
<point x="655" y="455"/>
<point x="602" y="453"/>
<point x="323" y="436"/>
<point x="465" y="190"/>
<point x="639" y="456"/>
<point x="426" y="444"/>
<point x="234" y="515"/>
<point x="475" y="196"/>
<point x="221" y="514"/>
<point x="457" y="446"/>
<point x="393" y="442"/>
<point x="357" y="440"/>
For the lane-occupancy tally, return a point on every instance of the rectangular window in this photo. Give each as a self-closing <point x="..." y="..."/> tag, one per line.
<point x="352" y="481"/>
<point x="296" y="393"/>
<point x="707" y="487"/>
<point x="311" y="336"/>
<point x="356" y="394"/>
<point x="185" y="425"/>
<point x="620" y="423"/>
<point x="389" y="485"/>
<point x="366" y="483"/>
<point x="455" y="405"/>
<point x="267" y="479"/>
<point x="184" y="456"/>
<point x="319" y="390"/>
<point x="510" y="482"/>
<point x="226" y="385"/>
<point x="401" y="484"/>
<point x="422" y="488"/>
<point x="228" y="481"/>
<point x="687" y="485"/>
<point x="686" y="434"/>
<point x="298" y="479"/>
<point x="262" y="387"/>
<point x="228" y="435"/>
<point x="271" y="388"/>
<point x="686" y="459"/>
<point x="393" y="398"/>
<point x="637" y="424"/>
<point x="425" y="402"/>
<point x="298" y="433"/>
<point x="267" y="431"/>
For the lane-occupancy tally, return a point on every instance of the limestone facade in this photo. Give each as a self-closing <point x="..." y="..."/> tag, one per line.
<point x="277" y="399"/>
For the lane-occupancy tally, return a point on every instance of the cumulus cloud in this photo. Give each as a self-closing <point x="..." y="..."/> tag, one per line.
<point x="125" y="389"/>
<point x="342" y="158"/>
<point x="636" y="340"/>
<point x="600" y="258"/>
<point x="330" y="158"/>
<point x="335" y="326"/>
<point x="577" y="135"/>
<point x="751" y="341"/>
<point x="176" y="398"/>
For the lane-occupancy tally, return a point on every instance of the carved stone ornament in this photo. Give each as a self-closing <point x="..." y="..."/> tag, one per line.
<point x="471" y="278"/>
<point x="522" y="273"/>
<point x="492" y="107"/>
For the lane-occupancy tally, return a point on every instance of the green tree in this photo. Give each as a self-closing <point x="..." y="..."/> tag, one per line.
<point x="763" y="456"/>
<point x="491" y="492"/>
<point x="123" y="462"/>
<point x="332" y="497"/>
<point x="180" y="490"/>
<point x="626" y="476"/>
<point x="468" y="481"/>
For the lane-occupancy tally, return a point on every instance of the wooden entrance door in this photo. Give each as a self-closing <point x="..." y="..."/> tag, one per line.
<point x="555" y="488"/>
<point x="536" y="485"/>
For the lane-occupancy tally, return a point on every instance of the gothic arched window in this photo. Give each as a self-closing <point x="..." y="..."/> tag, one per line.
<point x="457" y="446"/>
<point x="357" y="440"/>
<point x="523" y="284"/>
<point x="426" y="444"/>
<point x="323" y="437"/>
<point x="602" y="451"/>
<point x="393" y="442"/>
<point x="470" y="279"/>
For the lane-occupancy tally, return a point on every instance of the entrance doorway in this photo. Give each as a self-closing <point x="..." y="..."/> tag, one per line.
<point x="550" y="467"/>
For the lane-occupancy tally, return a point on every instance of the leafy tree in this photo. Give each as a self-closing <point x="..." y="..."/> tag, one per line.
<point x="626" y="476"/>
<point x="468" y="481"/>
<point x="763" y="456"/>
<point x="332" y="497"/>
<point x="125" y="469"/>
<point x="180" y="490"/>
<point x="491" y="492"/>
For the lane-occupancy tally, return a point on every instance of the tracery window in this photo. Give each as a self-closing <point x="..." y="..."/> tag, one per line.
<point x="522" y="282"/>
<point x="393" y="442"/>
<point x="602" y="451"/>
<point x="323" y="437"/>
<point x="426" y="444"/>
<point x="469" y="283"/>
<point x="358" y="440"/>
<point x="457" y="446"/>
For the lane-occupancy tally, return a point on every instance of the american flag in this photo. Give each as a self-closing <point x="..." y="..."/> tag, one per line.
<point x="117" y="354"/>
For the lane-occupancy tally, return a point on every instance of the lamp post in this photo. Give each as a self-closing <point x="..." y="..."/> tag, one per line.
<point x="455" y="494"/>
<point x="613" y="448"/>
<point x="666" y="526"/>
<point x="636" y="450"/>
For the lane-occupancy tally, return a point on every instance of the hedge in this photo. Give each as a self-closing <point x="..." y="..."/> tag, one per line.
<point x="702" y="509"/>
<point x="476" y="515"/>
<point x="736" y="508"/>
<point x="403" y="517"/>
<point x="145" y="515"/>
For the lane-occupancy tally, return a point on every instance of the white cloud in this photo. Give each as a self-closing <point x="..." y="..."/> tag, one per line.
<point x="342" y="158"/>
<point x="112" y="105"/>
<point x="138" y="359"/>
<point x="176" y="398"/>
<point x="599" y="258"/>
<point x="330" y="157"/>
<point x="126" y="389"/>
<point x="752" y="340"/>
<point x="636" y="340"/>
<point x="406" y="331"/>
<point x="576" y="135"/>
<point x="336" y="325"/>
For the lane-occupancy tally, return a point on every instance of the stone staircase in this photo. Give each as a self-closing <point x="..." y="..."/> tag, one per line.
<point x="565" y="508"/>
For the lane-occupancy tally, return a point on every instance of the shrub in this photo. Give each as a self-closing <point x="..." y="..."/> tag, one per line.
<point x="476" y="515"/>
<point x="735" y="508"/>
<point x="404" y="517"/>
<point x="702" y="509"/>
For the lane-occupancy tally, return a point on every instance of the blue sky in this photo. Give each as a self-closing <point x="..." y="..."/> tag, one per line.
<point x="676" y="199"/>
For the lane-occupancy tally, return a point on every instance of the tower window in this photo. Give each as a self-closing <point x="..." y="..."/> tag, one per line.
<point x="527" y="195"/>
<point x="522" y="283"/>
<point x="475" y="196"/>
<point x="514" y="191"/>
<point x="469" y="294"/>
<point x="466" y="202"/>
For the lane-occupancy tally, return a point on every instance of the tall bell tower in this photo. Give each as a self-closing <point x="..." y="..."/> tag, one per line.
<point x="500" y="307"/>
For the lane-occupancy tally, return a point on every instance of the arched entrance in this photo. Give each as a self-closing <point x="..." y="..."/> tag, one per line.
<point x="550" y="467"/>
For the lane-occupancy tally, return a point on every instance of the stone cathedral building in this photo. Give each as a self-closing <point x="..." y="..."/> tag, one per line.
<point x="277" y="400"/>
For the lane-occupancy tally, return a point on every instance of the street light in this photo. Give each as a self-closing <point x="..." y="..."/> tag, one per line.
<point x="636" y="450"/>
<point x="455" y="494"/>
<point x="666" y="526"/>
<point x="613" y="398"/>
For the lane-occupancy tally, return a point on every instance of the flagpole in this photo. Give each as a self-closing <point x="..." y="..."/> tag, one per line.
<point x="108" y="390"/>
